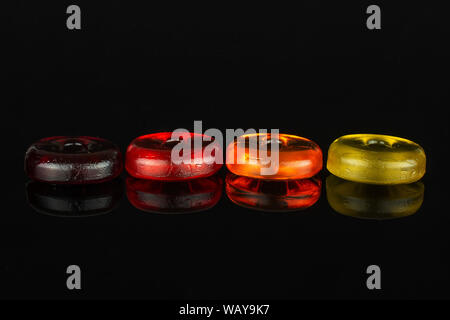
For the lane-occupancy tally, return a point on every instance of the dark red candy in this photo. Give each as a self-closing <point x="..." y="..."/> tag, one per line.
<point x="150" y="157"/>
<point x="273" y="195"/>
<point x="73" y="160"/>
<point x="174" y="196"/>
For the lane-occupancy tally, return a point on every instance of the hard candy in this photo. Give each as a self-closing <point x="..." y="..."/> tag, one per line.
<point x="298" y="158"/>
<point x="376" y="159"/>
<point x="73" y="160"/>
<point x="150" y="157"/>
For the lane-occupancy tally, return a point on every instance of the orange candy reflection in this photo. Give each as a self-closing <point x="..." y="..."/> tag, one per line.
<point x="273" y="195"/>
<point x="298" y="157"/>
<point x="174" y="196"/>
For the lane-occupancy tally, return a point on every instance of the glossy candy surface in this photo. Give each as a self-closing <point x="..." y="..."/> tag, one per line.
<point x="73" y="160"/>
<point x="376" y="159"/>
<point x="298" y="157"/>
<point x="272" y="195"/>
<point x="149" y="157"/>
<point x="174" y="196"/>
<point x="74" y="201"/>
<point x="367" y="201"/>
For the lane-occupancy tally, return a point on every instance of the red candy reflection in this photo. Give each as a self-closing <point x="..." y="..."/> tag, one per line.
<point x="272" y="195"/>
<point x="150" y="157"/>
<point x="174" y="196"/>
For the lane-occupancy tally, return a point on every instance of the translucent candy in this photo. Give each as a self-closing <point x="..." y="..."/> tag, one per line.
<point x="174" y="196"/>
<point x="272" y="195"/>
<point x="378" y="202"/>
<point x="73" y="160"/>
<point x="298" y="157"/>
<point x="376" y="159"/>
<point x="150" y="157"/>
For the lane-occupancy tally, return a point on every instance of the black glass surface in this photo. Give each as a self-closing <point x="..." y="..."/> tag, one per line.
<point x="314" y="71"/>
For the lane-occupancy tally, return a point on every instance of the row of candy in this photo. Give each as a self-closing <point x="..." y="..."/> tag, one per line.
<point x="365" y="158"/>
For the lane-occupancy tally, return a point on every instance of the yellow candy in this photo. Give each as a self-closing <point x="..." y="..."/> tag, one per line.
<point x="368" y="201"/>
<point x="376" y="159"/>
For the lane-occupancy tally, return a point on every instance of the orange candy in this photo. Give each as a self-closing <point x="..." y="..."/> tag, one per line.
<point x="298" y="158"/>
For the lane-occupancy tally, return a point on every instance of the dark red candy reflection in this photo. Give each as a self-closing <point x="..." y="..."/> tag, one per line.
<point x="174" y="196"/>
<point x="73" y="160"/>
<point x="272" y="195"/>
<point x="150" y="157"/>
<point x="74" y="201"/>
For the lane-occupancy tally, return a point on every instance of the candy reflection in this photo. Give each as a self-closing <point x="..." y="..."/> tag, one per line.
<point x="76" y="200"/>
<point x="378" y="202"/>
<point x="272" y="195"/>
<point x="174" y="196"/>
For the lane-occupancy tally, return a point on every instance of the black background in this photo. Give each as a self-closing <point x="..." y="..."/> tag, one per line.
<point x="312" y="70"/>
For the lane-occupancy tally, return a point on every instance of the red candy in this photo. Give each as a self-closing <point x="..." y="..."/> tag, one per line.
<point x="174" y="196"/>
<point x="150" y="157"/>
<point x="272" y="195"/>
<point x="73" y="160"/>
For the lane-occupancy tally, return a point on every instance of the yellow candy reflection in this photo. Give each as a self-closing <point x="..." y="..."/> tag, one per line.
<point x="376" y="159"/>
<point x="367" y="201"/>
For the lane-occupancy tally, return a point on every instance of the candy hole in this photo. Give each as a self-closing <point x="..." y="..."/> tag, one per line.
<point x="269" y="142"/>
<point x="381" y="144"/>
<point x="169" y="144"/>
<point x="372" y="141"/>
<point x="271" y="145"/>
<point x="74" y="146"/>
